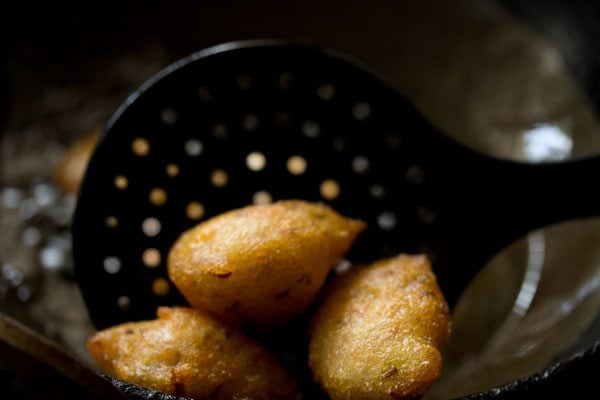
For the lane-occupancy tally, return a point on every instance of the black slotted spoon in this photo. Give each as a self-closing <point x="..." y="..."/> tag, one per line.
<point x="264" y="120"/>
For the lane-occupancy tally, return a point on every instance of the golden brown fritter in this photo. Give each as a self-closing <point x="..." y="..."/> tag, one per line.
<point x="260" y="264"/>
<point x="188" y="353"/>
<point x="378" y="332"/>
<point x="71" y="168"/>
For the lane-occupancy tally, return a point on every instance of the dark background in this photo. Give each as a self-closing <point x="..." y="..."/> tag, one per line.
<point x="68" y="35"/>
<point x="74" y="45"/>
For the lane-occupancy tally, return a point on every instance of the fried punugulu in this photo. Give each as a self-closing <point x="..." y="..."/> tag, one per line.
<point x="188" y="353"/>
<point x="71" y="168"/>
<point x="378" y="332"/>
<point x="260" y="265"/>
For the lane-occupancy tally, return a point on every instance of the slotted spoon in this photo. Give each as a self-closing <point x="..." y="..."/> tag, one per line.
<point x="261" y="121"/>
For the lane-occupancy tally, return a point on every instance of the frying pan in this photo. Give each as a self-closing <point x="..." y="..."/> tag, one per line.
<point x="45" y="369"/>
<point x="260" y="121"/>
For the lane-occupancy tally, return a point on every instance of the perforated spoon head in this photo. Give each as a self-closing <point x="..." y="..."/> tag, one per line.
<point x="235" y="125"/>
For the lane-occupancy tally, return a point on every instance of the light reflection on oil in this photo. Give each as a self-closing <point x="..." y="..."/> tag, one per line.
<point x="547" y="142"/>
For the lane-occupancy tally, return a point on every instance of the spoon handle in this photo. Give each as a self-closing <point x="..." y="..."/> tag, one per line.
<point x="525" y="197"/>
<point x="491" y="203"/>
